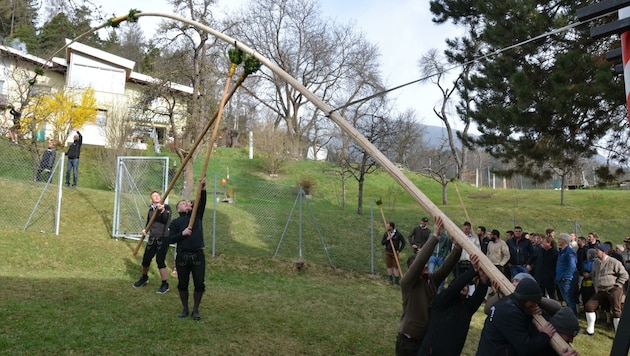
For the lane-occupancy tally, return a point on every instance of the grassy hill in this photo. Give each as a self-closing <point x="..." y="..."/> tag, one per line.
<point x="72" y="293"/>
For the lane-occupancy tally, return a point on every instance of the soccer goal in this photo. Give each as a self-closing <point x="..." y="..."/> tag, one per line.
<point x="136" y="178"/>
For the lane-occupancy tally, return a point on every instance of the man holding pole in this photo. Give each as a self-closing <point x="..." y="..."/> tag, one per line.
<point x="394" y="242"/>
<point x="418" y="289"/>
<point x="156" y="246"/>
<point x="190" y="256"/>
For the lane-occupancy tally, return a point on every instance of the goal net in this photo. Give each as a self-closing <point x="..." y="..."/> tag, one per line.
<point x="136" y="178"/>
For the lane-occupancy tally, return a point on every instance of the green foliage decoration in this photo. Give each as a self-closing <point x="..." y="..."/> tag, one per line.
<point x="251" y="64"/>
<point x="236" y="56"/>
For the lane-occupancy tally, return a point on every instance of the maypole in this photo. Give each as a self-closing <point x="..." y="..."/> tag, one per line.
<point x="558" y="344"/>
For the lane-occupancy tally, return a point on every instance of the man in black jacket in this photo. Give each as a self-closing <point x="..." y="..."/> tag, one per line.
<point x="47" y="161"/>
<point x="74" y="151"/>
<point x="507" y="329"/>
<point x="157" y="245"/>
<point x="395" y="238"/>
<point x="452" y="310"/>
<point x="190" y="256"/>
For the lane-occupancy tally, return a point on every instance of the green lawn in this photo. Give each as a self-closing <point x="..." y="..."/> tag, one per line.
<point x="72" y="293"/>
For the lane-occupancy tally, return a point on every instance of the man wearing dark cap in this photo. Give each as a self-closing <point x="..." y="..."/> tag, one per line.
<point x="419" y="235"/>
<point x="609" y="276"/>
<point x="507" y="329"/>
<point x="567" y="326"/>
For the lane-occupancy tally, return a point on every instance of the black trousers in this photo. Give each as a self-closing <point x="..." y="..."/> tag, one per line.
<point x="191" y="263"/>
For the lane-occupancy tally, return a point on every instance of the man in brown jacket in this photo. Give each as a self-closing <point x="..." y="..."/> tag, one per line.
<point x="418" y="289"/>
<point x="609" y="276"/>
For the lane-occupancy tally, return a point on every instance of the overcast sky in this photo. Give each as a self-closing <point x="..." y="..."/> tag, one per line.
<point x="402" y="29"/>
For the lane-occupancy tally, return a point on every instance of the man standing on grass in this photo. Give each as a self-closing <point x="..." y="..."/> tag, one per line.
<point x="419" y="235"/>
<point x="418" y="289"/>
<point x="566" y="269"/>
<point x="190" y="256"/>
<point x="521" y="251"/>
<point x="498" y="252"/>
<point x="609" y="277"/>
<point x="157" y="244"/>
<point x="74" y="151"/>
<point x="392" y="237"/>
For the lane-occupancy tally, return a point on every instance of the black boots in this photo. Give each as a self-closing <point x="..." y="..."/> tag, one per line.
<point x="197" y="300"/>
<point x="183" y="296"/>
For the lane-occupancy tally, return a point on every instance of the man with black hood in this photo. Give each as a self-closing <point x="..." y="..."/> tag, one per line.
<point x="507" y="330"/>
<point x="452" y="310"/>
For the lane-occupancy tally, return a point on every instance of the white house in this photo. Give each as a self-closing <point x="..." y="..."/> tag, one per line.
<point x="112" y="78"/>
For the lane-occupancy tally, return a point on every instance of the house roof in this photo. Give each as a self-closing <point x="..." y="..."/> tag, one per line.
<point x="28" y="57"/>
<point x="60" y="64"/>
<point x="100" y="55"/>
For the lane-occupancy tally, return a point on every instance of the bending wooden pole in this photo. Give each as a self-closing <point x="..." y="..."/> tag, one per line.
<point x="187" y="158"/>
<point x="558" y="344"/>
<point x="213" y="138"/>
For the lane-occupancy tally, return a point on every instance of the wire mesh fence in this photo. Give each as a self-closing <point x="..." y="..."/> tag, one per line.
<point x="250" y="215"/>
<point x="34" y="191"/>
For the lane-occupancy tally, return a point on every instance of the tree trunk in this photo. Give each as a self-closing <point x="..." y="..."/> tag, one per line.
<point x="562" y="191"/>
<point x="360" y="201"/>
<point x="444" y="197"/>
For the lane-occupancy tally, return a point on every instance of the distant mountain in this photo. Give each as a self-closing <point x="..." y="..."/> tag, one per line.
<point x="435" y="134"/>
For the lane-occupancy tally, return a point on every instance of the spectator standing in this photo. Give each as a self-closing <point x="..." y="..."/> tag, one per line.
<point x="609" y="277"/>
<point x="544" y="262"/>
<point x="418" y="289"/>
<point x="464" y="261"/>
<point x="509" y="234"/>
<point x="14" y="131"/>
<point x="419" y="235"/>
<point x="440" y="252"/>
<point x="392" y="236"/>
<point x="483" y="239"/>
<point x="452" y="310"/>
<point x="587" y="290"/>
<point x="574" y="244"/>
<point x="593" y="240"/>
<point x="47" y="162"/>
<point x="566" y="269"/>
<point x="612" y="253"/>
<point x="521" y="251"/>
<point x="74" y="151"/>
<point x="498" y="252"/>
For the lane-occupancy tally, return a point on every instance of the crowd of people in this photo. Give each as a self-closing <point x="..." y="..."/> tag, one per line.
<point x="563" y="278"/>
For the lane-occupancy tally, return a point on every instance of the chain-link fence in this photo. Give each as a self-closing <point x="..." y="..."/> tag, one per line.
<point x="34" y="191"/>
<point x="263" y="217"/>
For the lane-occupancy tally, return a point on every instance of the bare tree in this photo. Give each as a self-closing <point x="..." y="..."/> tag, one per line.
<point x="188" y="59"/>
<point x="440" y="166"/>
<point x="433" y="66"/>
<point x="273" y="146"/>
<point x="323" y="55"/>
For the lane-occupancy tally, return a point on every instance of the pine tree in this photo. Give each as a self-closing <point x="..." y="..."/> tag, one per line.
<point x="543" y="105"/>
